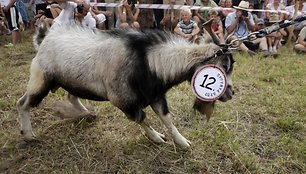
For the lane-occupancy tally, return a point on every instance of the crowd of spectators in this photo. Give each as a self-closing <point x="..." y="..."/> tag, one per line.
<point x="233" y="20"/>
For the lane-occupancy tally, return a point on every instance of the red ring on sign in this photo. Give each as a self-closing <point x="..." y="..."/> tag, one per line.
<point x="193" y="83"/>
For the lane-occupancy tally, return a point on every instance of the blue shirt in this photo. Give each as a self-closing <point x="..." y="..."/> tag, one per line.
<point x="241" y="29"/>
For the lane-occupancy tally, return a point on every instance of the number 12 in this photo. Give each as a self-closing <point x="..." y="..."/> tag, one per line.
<point x="208" y="84"/>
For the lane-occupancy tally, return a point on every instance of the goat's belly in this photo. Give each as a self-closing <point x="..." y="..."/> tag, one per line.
<point x="83" y="92"/>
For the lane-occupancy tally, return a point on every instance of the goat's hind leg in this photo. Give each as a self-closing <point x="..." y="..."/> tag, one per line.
<point x="77" y="103"/>
<point x="79" y="111"/>
<point x="24" y="117"/>
<point x="37" y="89"/>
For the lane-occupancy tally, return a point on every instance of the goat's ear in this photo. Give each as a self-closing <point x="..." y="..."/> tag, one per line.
<point x="207" y="27"/>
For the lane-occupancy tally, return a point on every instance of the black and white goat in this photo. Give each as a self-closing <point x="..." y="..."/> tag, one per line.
<point x="130" y="69"/>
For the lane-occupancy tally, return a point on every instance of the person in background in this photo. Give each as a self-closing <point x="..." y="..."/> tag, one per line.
<point x="146" y="18"/>
<point x="201" y="16"/>
<point x="158" y="15"/>
<point x="187" y="28"/>
<point x="101" y="16"/>
<point x="222" y="3"/>
<point x="240" y="23"/>
<point x="84" y="17"/>
<point x="171" y="18"/>
<point x="110" y="18"/>
<point x="30" y="13"/>
<point x="3" y="23"/>
<point x="12" y="17"/>
<point x="274" y="38"/>
<point x="228" y="9"/>
<point x="216" y="25"/>
<point x="259" y="24"/>
<point x="128" y="15"/>
<point x="66" y="15"/>
<point x="22" y="13"/>
<point x="254" y="14"/>
<point x="229" y="6"/>
<point x="300" y="12"/>
<point x="301" y="41"/>
<point x="51" y="11"/>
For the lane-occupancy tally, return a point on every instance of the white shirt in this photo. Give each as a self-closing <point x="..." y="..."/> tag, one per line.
<point x="4" y="2"/>
<point x="89" y="21"/>
<point x="290" y="10"/>
<point x="66" y="16"/>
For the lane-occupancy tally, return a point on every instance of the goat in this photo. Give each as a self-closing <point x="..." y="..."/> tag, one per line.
<point x="131" y="69"/>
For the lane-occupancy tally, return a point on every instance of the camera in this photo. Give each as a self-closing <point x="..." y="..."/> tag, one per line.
<point x="80" y="8"/>
<point x="245" y="13"/>
<point x="131" y="1"/>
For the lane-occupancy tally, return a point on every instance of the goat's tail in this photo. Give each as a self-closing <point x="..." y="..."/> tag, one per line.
<point x="40" y="33"/>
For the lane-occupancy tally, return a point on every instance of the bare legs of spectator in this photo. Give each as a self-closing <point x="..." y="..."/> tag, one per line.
<point x="300" y="47"/>
<point x="273" y="41"/>
<point x="55" y="11"/>
<point x="111" y="19"/>
<point x="242" y="46"/>
<point x="101" y="26"/>
<point x="16" y="37"/>
<point x="134" y="25"/>
<point x="261" y="41"/>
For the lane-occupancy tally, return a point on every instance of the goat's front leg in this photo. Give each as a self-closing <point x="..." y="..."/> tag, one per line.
<point x="152" y="133"/>
<point x="161" y="109"/>
<point x="139" y="116"/>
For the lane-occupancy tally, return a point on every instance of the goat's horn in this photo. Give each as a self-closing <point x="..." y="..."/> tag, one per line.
<point x="207" y="27"/>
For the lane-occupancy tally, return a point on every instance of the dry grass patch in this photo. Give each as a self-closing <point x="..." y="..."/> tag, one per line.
<point x="261" y="130"/>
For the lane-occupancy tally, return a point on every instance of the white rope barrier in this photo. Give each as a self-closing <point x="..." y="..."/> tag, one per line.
<point x="178" y="7"/>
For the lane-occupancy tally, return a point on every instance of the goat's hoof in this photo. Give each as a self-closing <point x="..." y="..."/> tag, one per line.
<point x="156" y="137"/>
<point x="31" y="141"/>
<point x="160" y="138"/>
<point x="28" y="135"/>
<point x="183" y="142"/>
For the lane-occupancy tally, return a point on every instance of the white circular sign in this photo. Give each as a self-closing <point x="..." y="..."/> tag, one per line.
<point x="209" y="83"/>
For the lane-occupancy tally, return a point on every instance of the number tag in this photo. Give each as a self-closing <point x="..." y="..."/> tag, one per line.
<point x="209" y="83"/>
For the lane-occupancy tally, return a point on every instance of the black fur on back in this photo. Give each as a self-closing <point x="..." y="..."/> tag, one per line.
<point x="145" y="84"/>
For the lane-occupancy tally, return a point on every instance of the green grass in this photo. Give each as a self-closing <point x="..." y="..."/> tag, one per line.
<point x="261" y="130"/>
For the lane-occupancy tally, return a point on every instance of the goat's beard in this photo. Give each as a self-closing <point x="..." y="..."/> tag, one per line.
<point x="205" y="108"/>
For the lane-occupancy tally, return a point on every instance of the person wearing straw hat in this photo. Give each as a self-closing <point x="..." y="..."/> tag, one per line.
<point x="240" y="23"/>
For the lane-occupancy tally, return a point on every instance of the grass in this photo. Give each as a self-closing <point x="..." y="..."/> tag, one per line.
<point x="261" y="130"/>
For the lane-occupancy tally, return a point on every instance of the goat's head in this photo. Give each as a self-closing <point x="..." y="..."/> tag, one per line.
<point x="223" y="58"/>
<point x="225" y="62"/>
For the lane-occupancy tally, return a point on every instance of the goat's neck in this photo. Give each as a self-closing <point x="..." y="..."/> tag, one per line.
<point x="173" y="63"/>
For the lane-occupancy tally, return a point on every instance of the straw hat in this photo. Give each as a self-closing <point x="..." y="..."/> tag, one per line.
<point x="243" y="5"/>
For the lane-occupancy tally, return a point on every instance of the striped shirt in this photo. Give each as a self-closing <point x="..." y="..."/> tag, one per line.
<point x="187" y="28"/>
